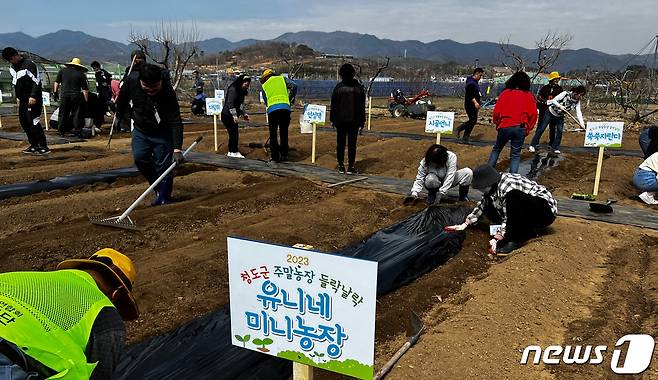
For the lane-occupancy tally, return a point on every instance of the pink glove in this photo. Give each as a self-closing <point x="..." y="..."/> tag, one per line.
<point x="492" y="246"/>
<point x="456" y="227"/>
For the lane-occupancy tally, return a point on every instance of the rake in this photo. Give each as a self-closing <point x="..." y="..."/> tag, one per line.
<point x="123" y="220"/>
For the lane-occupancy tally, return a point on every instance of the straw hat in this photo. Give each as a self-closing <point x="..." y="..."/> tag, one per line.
<point x="118" y="270"/>
<point x="554" y="75"/>
<point x="76" y="62"/>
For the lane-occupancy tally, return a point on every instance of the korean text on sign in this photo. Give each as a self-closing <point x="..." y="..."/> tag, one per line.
<point x="213" y="106"/>
<point x="315" y="113"/>
<point x="439" y="122"/>
<point x="607" y="134"/>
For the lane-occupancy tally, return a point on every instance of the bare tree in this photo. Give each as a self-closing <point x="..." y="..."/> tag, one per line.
<point x="372" y="80"/>
<point x="170" y="44"/>
<point x="548" y="50"/>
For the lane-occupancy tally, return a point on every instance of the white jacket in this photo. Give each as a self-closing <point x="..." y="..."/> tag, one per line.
<point x="445" y="173"/>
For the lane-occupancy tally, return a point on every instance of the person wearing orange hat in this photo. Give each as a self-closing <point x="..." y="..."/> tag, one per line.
<point x="546" y="93"/>
<point x="73" y="88"/>
<point x="67" y="323"/>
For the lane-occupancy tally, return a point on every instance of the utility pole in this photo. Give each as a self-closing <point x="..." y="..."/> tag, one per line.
<point x="589" y="88"/>
<point x="477" y="63"/>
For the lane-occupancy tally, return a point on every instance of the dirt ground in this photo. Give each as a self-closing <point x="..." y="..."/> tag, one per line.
<point x="585" y="282"/>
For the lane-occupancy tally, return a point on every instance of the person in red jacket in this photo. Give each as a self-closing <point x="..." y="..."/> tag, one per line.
<point x="515" y="115"/>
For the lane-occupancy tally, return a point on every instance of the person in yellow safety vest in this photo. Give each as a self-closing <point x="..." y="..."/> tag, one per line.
<point x="68" y="323"/>
<point x="278" y="93"/>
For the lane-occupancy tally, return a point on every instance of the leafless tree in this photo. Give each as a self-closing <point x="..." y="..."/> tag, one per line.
<point x="632" y="92"/>
<point x="170" y="44"/>
<point x="372" y="80"/>
<point x="548" y="50"/>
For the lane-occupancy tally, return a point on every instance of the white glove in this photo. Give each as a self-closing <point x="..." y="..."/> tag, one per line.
<point x="492" y="246"/>
<point x="414" y="194"/>
<point x="456" y="227"/>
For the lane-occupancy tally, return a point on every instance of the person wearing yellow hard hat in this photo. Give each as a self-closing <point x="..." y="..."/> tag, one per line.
<point x="278" y="93"/>
<point x="67" y="323"/>
<point x="546" y="93"/>
<point x="72" y="85"/>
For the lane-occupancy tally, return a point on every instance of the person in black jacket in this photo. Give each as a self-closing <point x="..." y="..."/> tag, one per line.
<point x="72" y="84"/>
<point x="103" y="83"/>
<point x="472" y="100"/>
<point x="158" y="135"/>
<point x="27" y="87"/>
<point x="348" y="115"/>
<point x="234" y="108"/>
<point x="649" y="141"/>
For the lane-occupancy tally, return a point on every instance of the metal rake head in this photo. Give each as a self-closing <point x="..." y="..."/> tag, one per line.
<point x="126" y="223"/>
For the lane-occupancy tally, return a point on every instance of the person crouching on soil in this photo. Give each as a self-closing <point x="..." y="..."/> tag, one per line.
<point x="514" y="115"/>
<point x="233" y="109"/>
<point x="520" y="205"/>
<point x="438" y="173"/>
<point x="646" y="180"/>
<point x="158" y="134"/>
<point x="348" y="116"/>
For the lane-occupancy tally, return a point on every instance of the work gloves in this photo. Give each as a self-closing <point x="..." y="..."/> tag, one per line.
<point x="178" y="158"/>
<point x="456" y="227"/>
<point x="492" y="246"/>
<point x="411" y="199"/>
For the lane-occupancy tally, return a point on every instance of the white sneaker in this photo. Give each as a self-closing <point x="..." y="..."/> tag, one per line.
<point x="531" y="149"/>
<point x="229" y="154"/>
<point x="557" y="151"/>
<point x="238" y="155"/>
<point x="649" y="198"/>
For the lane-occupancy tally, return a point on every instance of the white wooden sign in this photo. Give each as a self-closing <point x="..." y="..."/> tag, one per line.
<point x="219" y="94"/>
<point x="315" y="114"/>
<point x="0" y="97"/>
<point x="439" y="122"/>
<point x="46" y="98"/>
<point x="260" y="97"/>
<point x="213" y="106"/>
<point x="607" y="134"/>
<point x="310" y="307"/>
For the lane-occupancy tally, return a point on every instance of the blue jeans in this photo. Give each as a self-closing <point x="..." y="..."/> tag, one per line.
<point x="549" y="118"/>
<point x="152" y="153"/>
<point x="645" y="180"/>
<point x="514" y="134"/>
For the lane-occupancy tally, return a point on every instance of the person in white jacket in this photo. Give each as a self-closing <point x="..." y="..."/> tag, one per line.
<point x="438" y="173"/>
<point x="566" y="101"/>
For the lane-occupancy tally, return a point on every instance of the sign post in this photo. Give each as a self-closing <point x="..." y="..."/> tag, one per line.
<point x="46" y="102"/>
<point x="305" y="306"/>
<point x="214" y="108"/>
<point x="602" y="135"/>
<point x="316" y="115"/>
<point x="439" y="123"/>
<point x="369" y="110"/>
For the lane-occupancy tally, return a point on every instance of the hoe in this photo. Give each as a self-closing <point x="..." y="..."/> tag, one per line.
<point x="123" y="220"/>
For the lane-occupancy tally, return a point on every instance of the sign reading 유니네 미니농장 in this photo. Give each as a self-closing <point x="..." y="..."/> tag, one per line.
<point x="607" y="134"/>
<point x="314" y="308"/>
<point x="439" y="122"/>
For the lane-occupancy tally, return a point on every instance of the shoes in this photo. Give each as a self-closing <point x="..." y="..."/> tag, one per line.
<point x="556" y="151"/>
<point x="509" y="247"/>
<point x="531" y="149"/>
<point x="649" y="198"/>
<point x="235" y="155"/>
<point x="341" y="168"/>
<point x="30" y="150"/>
<point x="42" y="151"/>
<point x="463" y="193"/>
<point x="352" y="170"/>
<point x="284" y="157"/>
<point x="163" y="192"/>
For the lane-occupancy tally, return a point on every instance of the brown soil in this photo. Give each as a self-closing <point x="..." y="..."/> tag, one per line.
<point x="588" y="281"/>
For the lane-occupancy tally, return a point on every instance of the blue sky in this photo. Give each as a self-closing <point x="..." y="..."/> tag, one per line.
<point x="610" y="26"/>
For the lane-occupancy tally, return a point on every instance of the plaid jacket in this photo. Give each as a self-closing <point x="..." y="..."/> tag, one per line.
<point x="509" y="182"/>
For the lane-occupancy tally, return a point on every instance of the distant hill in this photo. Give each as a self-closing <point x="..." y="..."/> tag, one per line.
<point x="65" y="44"/>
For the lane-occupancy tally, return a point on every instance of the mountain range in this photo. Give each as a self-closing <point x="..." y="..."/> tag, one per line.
<point x="64" y="44"/>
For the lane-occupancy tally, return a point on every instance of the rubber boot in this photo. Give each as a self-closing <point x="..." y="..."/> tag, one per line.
<point x="163" y="191"/>
<point x="431" y="197"/>
<point x="463" y="193"/>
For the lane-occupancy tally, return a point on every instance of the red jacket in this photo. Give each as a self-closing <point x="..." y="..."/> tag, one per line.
<point x="513" y="108"/>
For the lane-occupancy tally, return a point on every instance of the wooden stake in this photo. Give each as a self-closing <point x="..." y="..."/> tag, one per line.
<point x="302" y="371"/>
<point x="369" y="111"/>
<point x="45" y="116"/>
<point x="214" y="119"/>
<point x="438" y="138"/>
<point x="313" y="148"/>
<point x="598" y="171"/>
<point x="0" y="121"/>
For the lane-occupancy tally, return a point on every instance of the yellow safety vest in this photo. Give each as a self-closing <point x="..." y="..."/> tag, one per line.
<point x="49" y="316"/>
<point x="276" y="91"/>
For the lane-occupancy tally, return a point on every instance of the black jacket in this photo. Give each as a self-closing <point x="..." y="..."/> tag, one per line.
<point x="348" y="103"/>
<point x="144" y="109"/>
<point x="26" y="80"/>
<point x="72" y="80"/>
<point x="103" y="80"/>
<point x="234" y="101"/>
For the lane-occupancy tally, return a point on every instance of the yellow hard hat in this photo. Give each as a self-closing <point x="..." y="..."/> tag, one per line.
<point x="266" y="73"/>
<point x="116" y="268"/>
<point x="554" y="75"/>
